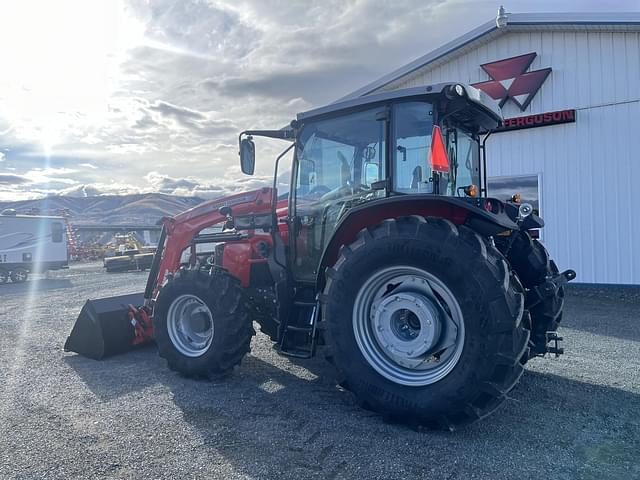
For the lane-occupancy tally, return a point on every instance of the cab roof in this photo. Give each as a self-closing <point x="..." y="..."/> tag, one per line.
<point x="477" y="96"/>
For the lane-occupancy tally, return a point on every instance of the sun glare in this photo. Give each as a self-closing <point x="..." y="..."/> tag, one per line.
<point x="61" y="63"/>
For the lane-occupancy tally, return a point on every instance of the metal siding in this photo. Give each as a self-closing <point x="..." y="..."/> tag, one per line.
<point x="590" y="169"/>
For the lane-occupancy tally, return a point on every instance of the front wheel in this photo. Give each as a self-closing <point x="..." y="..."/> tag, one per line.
<point x="422" y="320"/>
<point x="202" y="327"/>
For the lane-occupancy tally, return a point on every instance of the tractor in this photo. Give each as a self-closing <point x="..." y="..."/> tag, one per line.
<point x="387" y="256"/>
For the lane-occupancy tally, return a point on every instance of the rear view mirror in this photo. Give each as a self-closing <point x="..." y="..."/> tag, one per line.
<point x="247" y="156"/>
<point x="371" y="173"/>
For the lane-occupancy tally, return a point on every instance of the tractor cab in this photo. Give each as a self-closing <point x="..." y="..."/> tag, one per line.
<point x="422" y="141"/>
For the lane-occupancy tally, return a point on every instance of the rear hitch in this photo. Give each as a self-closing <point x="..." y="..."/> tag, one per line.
<point x="564" y="277"/>
<point x="549" y="287"/>
<point x="552" y="337"/>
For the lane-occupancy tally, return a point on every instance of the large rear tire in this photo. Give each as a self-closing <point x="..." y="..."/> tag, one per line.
<point x="202" y="327"/>
<point x="530" y="259"/>
<point x="422" y="320"/>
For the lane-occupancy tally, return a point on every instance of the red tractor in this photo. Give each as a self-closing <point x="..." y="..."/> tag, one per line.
<point x="387" y="256"/>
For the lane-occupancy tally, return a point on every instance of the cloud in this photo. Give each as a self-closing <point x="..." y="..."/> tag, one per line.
<point x="11" y="179"/>
<point x="49" y="176"/>
<point x="197" y="28"/>
<point x="156" y="93"/>
<point x="180" y="113"/>
<point x="166" y="184"/>
<point x="188" y="186"/>
<point x="188" y="118"/>
<point x="193" y="74"/>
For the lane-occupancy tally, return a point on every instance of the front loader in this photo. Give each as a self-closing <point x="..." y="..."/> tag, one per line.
<point x="388" y="257"/>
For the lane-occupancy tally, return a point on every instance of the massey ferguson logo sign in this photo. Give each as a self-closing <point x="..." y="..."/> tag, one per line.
<point x="511" y="81"/>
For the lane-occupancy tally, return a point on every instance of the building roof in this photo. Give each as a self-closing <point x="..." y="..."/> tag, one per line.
<point x="628" y="21"/>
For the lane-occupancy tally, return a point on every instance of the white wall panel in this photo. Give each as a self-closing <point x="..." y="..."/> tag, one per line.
<point x="590" y="169"/>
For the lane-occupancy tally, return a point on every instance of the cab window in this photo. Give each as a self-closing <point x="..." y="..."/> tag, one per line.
<point x="413" y="124"/>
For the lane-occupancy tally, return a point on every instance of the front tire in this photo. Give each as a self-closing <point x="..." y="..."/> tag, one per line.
<point x="448" y="348"/>
<point x="202" y="327"/>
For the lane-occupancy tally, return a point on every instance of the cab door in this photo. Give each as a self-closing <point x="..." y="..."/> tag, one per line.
<point x="337" y="159"/>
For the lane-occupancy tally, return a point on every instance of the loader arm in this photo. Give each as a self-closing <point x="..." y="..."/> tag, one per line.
<point x="113" y="325"/>
<point x="179" y="231"/>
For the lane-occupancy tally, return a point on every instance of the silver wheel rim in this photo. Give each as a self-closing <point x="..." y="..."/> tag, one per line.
<point x="190" y="325"/>
<point x="408" y="326"/>
<point x="20" y="276"/>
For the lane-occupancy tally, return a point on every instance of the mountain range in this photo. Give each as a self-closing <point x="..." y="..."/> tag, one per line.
<point x="140" y="209"/>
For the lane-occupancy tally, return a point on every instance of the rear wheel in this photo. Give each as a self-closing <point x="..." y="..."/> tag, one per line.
<point x="201" y="323"/>
<point x="422" y="320"/>
<point x="19" y="275"/>
<point x="4" y="276"/>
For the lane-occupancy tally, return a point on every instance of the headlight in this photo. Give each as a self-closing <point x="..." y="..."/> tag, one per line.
<point x="524" y="211"/>
<point x="474" y="93"/>
<point x="459" y="90"/>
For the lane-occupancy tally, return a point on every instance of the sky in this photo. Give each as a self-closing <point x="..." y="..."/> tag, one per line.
<point x="116" y="97"/>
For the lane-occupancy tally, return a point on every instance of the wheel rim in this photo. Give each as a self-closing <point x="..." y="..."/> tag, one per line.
<point x="190" y="325"/>
<point x="19" y="276"/>
<point x="408" y="326"/>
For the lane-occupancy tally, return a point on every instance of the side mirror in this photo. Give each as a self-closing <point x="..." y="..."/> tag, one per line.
<point x="247" y="156"/>
<point x="371" y="173"/>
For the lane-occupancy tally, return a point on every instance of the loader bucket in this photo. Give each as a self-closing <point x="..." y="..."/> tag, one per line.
<point x="103" y="327"/>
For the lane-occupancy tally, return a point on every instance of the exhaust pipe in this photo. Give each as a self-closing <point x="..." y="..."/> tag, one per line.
<point x="109" y="326"/>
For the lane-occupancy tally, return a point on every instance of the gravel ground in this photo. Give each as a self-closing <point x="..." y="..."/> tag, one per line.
<point x="64" y="416"/>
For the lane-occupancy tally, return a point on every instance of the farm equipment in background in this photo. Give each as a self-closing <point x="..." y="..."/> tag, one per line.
<point x="427" y="296"/>
<point x="126" y="253"/>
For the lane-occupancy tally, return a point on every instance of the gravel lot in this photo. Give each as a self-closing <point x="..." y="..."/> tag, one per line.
<point x="64" y="416"/>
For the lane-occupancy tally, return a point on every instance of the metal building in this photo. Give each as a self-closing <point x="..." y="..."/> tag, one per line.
<point x="570" y="89"/>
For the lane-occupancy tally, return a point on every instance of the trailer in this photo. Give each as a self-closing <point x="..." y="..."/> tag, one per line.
<point x="30" y="244"/>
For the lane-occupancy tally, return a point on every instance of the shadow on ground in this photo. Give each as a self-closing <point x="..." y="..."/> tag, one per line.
<point x="316" y="430"/>
<point x="120" y="375"/>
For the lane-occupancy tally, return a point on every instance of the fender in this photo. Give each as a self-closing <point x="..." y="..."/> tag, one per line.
<point x="485" y="216"/>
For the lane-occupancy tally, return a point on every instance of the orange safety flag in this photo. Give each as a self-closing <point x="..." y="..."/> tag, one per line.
<point x="439" y="159"/>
